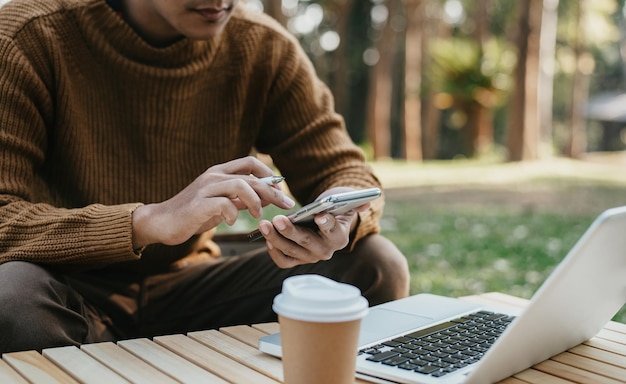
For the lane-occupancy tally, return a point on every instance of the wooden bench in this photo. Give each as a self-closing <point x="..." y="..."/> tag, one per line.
<point x="231" y="355"/>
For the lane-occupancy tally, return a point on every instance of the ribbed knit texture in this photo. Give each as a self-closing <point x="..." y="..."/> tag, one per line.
<point x="94" y="122"/>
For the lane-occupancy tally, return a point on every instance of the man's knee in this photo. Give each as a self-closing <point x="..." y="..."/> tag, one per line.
<point x="381" y="269"/>
<point x="34" y="306"/>
<point x="20" y="282"/>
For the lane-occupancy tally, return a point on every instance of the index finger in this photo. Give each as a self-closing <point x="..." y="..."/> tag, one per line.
<point x="248" y="165"/>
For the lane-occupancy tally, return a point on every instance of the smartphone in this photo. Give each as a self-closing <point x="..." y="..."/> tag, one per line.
<point x="336" y="204"/>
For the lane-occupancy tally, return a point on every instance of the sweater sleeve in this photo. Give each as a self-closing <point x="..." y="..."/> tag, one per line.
<point x="31" y="228"/>
<point x="307" y="139"/>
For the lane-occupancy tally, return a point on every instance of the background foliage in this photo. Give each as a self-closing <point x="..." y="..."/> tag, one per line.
<point x="351" y="42"/>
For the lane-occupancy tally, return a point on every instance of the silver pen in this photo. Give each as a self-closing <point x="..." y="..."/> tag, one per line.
<point x="272" y="180"/>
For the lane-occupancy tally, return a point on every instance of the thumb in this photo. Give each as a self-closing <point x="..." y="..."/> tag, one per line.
<point x="327" y="223"/>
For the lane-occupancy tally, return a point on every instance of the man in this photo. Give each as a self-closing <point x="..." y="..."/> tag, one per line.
<point x="125" y="129"/>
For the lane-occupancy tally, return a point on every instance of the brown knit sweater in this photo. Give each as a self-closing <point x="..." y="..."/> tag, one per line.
<point x="94" y="122"/>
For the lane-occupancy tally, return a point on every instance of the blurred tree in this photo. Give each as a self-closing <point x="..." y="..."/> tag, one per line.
<point x="577" y="142"/>
<point x="547" y="55"/>
<point x="592" y="71"/>
<point x="343" y="11"/>
<point x="523" y="124"/>
<point x="413" y="80"/>
<point x="357" y="43"/>
<point x="472" y="81"/>
<point x="479" y="135"/>
<point x="380" y="95"/>
<point x="433" y="26"/>
<point x="384" y="68"/>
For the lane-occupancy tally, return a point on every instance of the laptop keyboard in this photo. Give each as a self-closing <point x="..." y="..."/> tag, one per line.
<point x="443" y="348"/>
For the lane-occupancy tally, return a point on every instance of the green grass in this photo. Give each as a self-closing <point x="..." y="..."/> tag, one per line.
<point x="465" y="239"/>
<point x="474" y="251"/>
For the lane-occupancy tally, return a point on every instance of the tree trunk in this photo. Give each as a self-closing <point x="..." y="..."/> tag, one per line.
<point x="478" y="131"/>
<point x="523" y="135"/>
<point x="547" y="55"/>
<point x="339" y="85"/>
<point x="577" y="143"/>
<point x="413" y="81"/>
<point x="480" y="124"/>
<point x="379" y="117"/>
<point x="431" y="119"/>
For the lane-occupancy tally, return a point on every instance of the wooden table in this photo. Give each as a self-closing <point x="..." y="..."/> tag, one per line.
<point x="231" y="355"/>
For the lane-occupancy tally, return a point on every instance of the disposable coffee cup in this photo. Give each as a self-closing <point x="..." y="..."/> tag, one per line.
<point x="319" y="321"/>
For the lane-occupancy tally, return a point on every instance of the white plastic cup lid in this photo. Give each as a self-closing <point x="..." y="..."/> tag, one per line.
<point x="319" y="299"/>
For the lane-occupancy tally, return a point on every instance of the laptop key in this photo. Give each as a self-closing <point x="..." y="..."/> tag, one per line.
<point x="408" y="366"/>
<point x="395" y="360"/>
<point x="382" y="356"/>
<point x="392" y="343"/>
<point x="428" y="331"/>
<point x="440" y="364"/>
<point x="427" y="369"/>
<point x="419" y="362"/>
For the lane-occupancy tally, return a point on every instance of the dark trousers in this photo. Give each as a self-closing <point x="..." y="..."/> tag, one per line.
<point x="41" y="307"/>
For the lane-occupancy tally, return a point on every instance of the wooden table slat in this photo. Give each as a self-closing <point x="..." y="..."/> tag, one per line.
<point x="607" y="345"/>
<point x="36" y="368"/>
<point x="212" y="360"/>
<point x="615" y="326"/>
<point x="81" y="366"/>
<point x="169" y="362"/>
<point x="578" y="361"/>
<point x="267" y="328"/>
<point x="126" y="364"/>
<point x="512" y="380"/>
<point x="533" y="376"/>
<point x="600" y="355"/>
<point x="573" y="374"/>
<point x="241" y="352"/>
<point x="244" y="333"/>
<point x="9" y="376"/>
<point x="616" y="337"/>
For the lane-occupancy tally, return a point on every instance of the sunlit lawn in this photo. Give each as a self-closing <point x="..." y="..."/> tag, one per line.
<point x="475" y="250"/>
<point x="472" y="251"/>
<point x="467" y="236"/>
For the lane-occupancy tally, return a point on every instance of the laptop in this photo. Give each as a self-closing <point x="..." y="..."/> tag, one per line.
<point x="431" y="339"/>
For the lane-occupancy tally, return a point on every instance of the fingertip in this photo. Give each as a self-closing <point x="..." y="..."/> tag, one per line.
<point x="363" y="207"/>
<point x="229" y="220"/>
<point x="321" y="220"/>
<point x="280" y="222"/>
<point x="265" y="227"/>
<point x="288" y="202"/>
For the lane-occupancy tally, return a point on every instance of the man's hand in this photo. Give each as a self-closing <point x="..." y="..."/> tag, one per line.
<point x="290" y="245"/>
<point x="216" y="195"/>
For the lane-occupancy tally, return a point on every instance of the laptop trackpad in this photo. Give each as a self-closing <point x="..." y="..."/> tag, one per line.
<point x="380" y="323"/>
